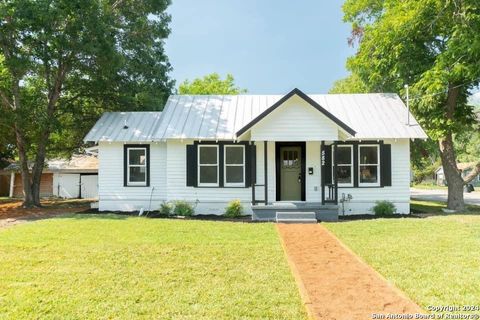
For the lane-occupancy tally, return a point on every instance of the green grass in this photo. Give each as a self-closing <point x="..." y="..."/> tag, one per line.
<point x="429" y="186"/>
<point x="435" y="207"/>
<point x="104" y="267"/>
<point x="434" y="260"/>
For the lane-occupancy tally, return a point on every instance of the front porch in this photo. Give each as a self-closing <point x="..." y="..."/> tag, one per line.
<point x="296" y="211"/>
<point x="294" y="179"/>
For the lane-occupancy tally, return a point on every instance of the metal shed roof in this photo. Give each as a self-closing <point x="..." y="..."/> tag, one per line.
<point x="219" y="117"/>
<point x="125" y="126"/>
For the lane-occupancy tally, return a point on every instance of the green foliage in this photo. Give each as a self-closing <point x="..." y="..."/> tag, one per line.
<point x="234" y="209"/>
<point x="350" y="84"/>
<point x="430" y="45"/>
<point x="166" y="208"/>
<point x="384" y="208"/>
<point x="183" y="208"/>
<point x="64" y="62"/>
<point x="210" y="84"/>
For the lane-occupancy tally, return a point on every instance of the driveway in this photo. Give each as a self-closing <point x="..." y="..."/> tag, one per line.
<point x="441" y="195"/>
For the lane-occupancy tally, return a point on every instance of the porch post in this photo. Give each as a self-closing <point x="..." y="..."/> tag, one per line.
<point x="253" y="176"/>
<point x="12" y="182"/>
<point x="335" y="171"/>
<point x="265" y="159"/>
<point x="322" y="170"/>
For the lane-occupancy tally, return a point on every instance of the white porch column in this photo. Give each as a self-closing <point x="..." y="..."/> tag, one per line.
<point x="12" y="181"/>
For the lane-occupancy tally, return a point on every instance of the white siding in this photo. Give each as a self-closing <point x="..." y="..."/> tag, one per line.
<point x="399" y="193"/>
<point x="113" y="195"/>
<point x="168" y="181"/>
<point x="313" y="185"/>
<point x="295" y="120"/>
<point x="208" y="200"/>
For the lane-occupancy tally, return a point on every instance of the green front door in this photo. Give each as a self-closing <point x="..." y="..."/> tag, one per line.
<point x="291" y="173"/>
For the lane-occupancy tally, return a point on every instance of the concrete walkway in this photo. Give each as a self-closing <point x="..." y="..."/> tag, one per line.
<point x="334" y="282"/>
<point x="441" y="195"/>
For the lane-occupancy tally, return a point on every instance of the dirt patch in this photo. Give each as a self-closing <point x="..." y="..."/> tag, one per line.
<point x="336" y="283"/>
<point x="12" y="212"/>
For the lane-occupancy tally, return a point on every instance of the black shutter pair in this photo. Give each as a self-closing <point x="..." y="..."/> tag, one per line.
<point x="385" y="165"/>
<point x="192" y="164"/>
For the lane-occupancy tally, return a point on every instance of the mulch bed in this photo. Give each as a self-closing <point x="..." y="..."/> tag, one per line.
<point x="334" y="282"/>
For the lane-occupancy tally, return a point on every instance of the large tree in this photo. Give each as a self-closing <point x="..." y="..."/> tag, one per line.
<point x="63" y="62"/>
<point x="434" y="47"/>
<point x="210" y="84"/>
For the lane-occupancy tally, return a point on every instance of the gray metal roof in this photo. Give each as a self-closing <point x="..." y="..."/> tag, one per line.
<point x="125" y="126"/>
<point x="372" y="116"/>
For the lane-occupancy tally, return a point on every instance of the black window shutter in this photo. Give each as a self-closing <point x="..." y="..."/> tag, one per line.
<point x="250" y="164"/>
<point x="386" y="165"/>
<point x="125" y="167"/>
<point x="355" y="165"/>
<point x="191" y="165"/>
<point x="328" y="164"/>
<point x="221" y="163"/>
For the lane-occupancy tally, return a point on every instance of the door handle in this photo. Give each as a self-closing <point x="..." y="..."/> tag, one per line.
<point x="299" y="178"/>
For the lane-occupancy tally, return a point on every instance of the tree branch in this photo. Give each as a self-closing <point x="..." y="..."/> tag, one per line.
<point x="473" y="174"/>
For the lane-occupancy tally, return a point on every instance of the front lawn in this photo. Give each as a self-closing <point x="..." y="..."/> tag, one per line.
<point x="108" y="266"/>
<point x="434" y="260"/>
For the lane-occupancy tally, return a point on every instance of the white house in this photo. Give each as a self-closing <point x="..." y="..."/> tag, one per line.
<point x="294" y="152"/>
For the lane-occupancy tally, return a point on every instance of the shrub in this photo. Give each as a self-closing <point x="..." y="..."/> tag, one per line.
<point x="166" y="208"/>
<point x="234" y="209"/>
<point x="183" y="208"/>
<point x="384" y="208"/>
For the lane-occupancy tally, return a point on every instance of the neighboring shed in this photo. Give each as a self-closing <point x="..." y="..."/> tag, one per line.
<point x="465" y="167"/>
<point x="74" y="178"/>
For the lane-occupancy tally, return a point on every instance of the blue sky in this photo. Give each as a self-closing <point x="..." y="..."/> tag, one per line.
<point x="269" y="46"/>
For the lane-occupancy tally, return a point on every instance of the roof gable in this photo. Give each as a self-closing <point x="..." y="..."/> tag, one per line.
<point x="307" y="99"/>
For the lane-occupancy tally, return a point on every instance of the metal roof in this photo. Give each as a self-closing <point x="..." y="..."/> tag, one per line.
<point x="78" y="163"/>
<point x="219" y="117"/>
<point x="125" y="126"/>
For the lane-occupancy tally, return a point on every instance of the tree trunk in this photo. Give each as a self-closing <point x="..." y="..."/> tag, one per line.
<point x="449" y="158"/>
<point x="452" y="174"/>
<point x="28" y="200"/>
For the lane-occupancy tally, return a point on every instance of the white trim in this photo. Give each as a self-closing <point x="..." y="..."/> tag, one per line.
<point x="136" y="183"/>
<point x="350" y="146"/>
<point x="236" y="184"/>
<point x="207" y="165"/>
<point x="368" y="184"/>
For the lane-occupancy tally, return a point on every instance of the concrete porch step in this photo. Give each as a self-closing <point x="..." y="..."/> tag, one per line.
<point x="295" y="217"/>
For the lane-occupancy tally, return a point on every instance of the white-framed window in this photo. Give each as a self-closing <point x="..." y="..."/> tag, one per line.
<point x="234" y="166"/>
<point x="137" y="166"/>
<point x="344" y="165"/>
<point x="208" y="165"/>
<point x="369" y="165"/>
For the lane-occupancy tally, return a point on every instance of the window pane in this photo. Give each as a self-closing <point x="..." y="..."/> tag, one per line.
<point x="208" y="174"/>
<point x="368" y="155"/>
<point x="234" y="155"/>
<point x="208" y="155"/>
<point x="344" y="174"/>
<point x="368" y="174"/>
<point x="137" y="174"/>
<point x="344" y="155"/>
<point x="136" y="156"/>
<point x="234" y="174"/>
